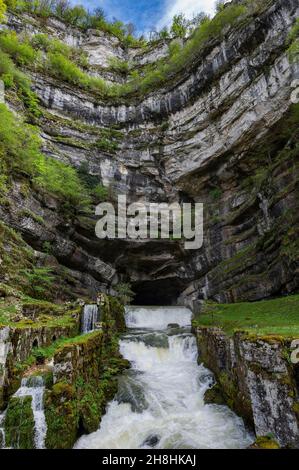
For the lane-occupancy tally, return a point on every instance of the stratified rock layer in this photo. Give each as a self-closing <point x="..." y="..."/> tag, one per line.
<point x="213" y="135"/>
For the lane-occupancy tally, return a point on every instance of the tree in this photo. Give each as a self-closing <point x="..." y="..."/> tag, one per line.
<point x="164" y="33"/>
<point x="61" y="7"/>
<point x="2" y="10"/>
<point x="179" y="26"/>
<point x="130" y="27"/>
<point x="220" y="5"/>
<point x="99" y="13"/>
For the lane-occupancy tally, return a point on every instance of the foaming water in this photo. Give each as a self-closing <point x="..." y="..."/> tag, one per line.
<point x="160" y="399"/>
<point x="157" y="318"/>
<point x="34" y="387"/>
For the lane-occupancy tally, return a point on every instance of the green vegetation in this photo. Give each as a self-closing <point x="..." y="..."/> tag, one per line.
<point x="91" y="182"/>
<point x="16" y="80"/>
<point x="268" y="317"/>
<point x="2" y="10"/>
<point x="19" y="424"/>
<point x="62" y="63"/>
<point x="46" y="314"/>
<point x="21" y="52"/>
<point x="39" y="281"/>
<point x="266" y="442"/>
<point x="76" y="16"/>
<point x="77" y="403"/>
<point x="41" y="354"/>
<point x="106" y="145"/>
<point x="124" y="293"/>
<point x="216" y="194"/>
<point x="120" y="66"/>
<point x="53" y="46"/>
<point x="20" y="154"/>
<point x="294" y="42"/>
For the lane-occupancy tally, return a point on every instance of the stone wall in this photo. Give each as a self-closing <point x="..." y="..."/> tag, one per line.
<point x="17" y="344"/>
<point x="84" y="380"/>
<point x="256" y="379"/>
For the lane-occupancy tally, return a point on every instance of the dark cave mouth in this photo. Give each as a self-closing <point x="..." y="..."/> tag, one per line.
<point x="160" y="292"/>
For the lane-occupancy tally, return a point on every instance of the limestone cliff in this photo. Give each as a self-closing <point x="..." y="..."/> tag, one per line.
<point x="218" y="132"/>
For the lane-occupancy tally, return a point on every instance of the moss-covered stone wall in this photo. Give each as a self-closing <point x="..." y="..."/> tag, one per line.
<point x="85" y="379"/>
<point x="19" y="424"/>
<point x="256" y="378"/>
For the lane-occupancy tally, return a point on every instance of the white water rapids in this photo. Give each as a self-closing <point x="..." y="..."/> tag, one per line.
<point x="160" y="399"/>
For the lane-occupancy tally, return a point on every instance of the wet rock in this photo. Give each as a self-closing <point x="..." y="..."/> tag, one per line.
<point x="255" y="379"/>
<point x="151" y="441"/>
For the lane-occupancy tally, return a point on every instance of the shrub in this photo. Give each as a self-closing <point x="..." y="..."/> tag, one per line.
<point x="12" y="77"/>
<point x="100" y="193"/>
<point x="124" y="293"/>
<point x="106" y="145"/>
<point x="63" y="68"/>
<point x="20" y="153"/>
<point x="21" y="52"/>
<point x="47" y="44"/>
<point x="2" y="10"/>
<point x="62" y="62"/>
<point x="120" y="66"/>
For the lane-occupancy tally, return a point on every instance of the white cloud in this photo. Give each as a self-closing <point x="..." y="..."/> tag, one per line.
<point x="188" y="7"/>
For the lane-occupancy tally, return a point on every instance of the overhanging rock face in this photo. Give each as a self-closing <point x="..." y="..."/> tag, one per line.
<point x="213" y="135"/>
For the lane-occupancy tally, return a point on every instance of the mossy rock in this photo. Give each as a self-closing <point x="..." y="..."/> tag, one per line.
<point x="19" y="423"/>
<point x="265" y="442"/>
<point x="61" y="416"/>
<point x="114" y="310"/>
<point x="214" y="395"/>
<point x="2" y="401"/>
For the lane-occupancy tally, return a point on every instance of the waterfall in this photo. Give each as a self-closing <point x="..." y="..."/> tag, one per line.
<point x="160" y="400"/>
<point x="34" y="387"/>
<point x="2" y="431"/>
<point x="157" y="318"/>
<point x="89" y="318"/>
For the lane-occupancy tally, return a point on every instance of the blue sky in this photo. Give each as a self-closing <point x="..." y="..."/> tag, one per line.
<point x="148" y="13"/>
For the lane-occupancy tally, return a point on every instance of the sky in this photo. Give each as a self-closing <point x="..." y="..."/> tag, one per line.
<point x="147" y="14"/>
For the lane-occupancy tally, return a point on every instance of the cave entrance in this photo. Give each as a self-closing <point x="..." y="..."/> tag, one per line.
<point x="160" y="292"/>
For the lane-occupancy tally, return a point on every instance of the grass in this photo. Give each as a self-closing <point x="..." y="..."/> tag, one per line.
<point x="50" y="350"/>
<point x="8" y="311"/>
<point x="268" y="317"/>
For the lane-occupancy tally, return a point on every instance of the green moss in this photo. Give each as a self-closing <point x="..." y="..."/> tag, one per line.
<point x="80" y="404"/>
<point x="106" y="145"/>
<point x="31" y="215"/>
<point x="61" y="417"/>
<point x="266" y="442"/>
<point x="214" y="395"/>
<point x="19" y="423"/>
<point x="296" y="408"/>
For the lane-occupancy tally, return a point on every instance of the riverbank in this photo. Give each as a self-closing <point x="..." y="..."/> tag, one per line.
<point x="248" y="346"/>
